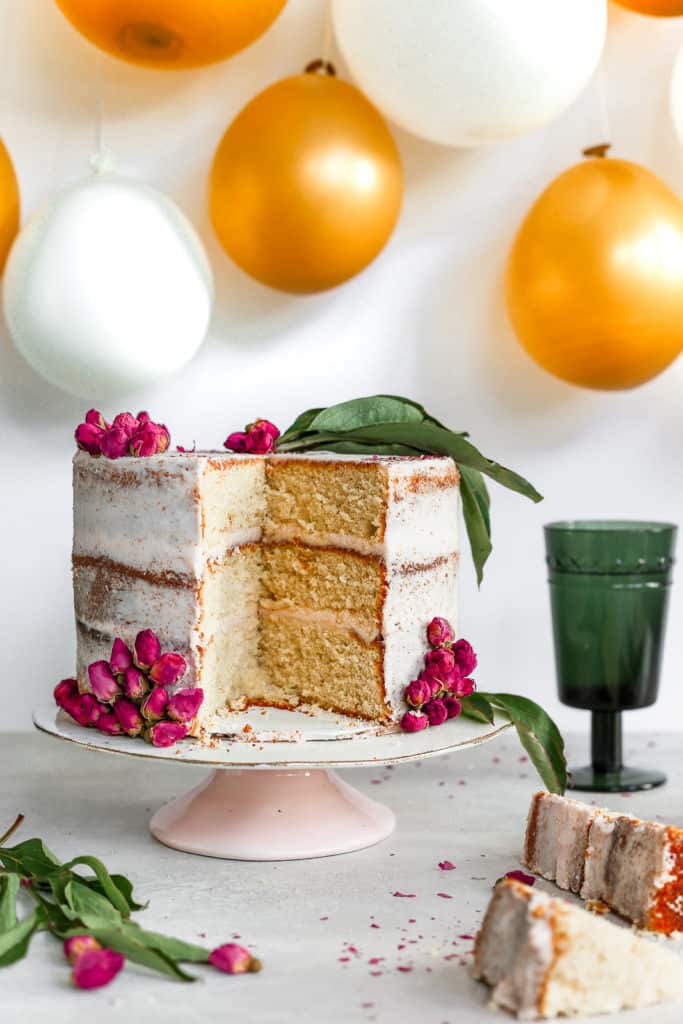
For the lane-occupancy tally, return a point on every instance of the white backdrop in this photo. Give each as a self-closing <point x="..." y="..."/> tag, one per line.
<point x="425" y="320"/>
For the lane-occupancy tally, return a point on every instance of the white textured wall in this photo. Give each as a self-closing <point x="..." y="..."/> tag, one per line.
<point x="425" y="320"/>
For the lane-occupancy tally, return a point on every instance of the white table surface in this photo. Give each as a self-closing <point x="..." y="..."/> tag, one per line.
<point x="311" y="922"/>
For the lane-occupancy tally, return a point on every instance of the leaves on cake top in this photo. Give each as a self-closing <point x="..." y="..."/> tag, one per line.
<point x="393" y="425"/>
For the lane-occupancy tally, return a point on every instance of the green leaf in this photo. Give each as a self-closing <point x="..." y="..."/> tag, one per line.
<point x="176" y="949"/>
<point x="122" y="884"/>
<point x="300" y="424"/>
<point x="88" y="906"/>
<point x="365" y="412"/>
<point x="30" y="858"/>
<point x="108" y="887"/>
<point x="475" y="514"/>
<point x="477" y="707"/>
<point x="9" y="887"/>
<point x="126" y="941"/>
<point x="539" y="736"/>
<point x="15" y="941"/>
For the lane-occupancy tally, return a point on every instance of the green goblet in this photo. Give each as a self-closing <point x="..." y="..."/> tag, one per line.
<point x="609" y="592"/>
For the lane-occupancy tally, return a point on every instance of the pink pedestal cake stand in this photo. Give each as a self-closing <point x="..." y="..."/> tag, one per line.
<point x="271" y="798"/>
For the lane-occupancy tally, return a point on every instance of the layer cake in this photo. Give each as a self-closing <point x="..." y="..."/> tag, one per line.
<point x="285" y="580"/>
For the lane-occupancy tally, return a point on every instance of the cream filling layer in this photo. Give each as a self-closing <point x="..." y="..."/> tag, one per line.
<point x="325" y="619"/>
<point x="327" y="539"/>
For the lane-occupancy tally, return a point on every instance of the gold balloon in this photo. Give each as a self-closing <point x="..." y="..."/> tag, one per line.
<point x="9" y="204"/>
<point x="595" y="276"/>
<point x="170" y="34"/>
<point x="657" y="8"/>
<point x="306" y="184"/>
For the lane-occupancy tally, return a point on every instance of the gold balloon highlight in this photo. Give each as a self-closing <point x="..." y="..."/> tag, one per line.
<point x="656" y="8"/>
<point x="9" y="204"/>
<point x="170" y="34"/>
<point x="595" y="277"/>
<point x="306" y="184"/>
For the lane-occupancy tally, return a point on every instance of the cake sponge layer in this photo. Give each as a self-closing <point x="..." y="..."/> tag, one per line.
<point x="319" y="664"/>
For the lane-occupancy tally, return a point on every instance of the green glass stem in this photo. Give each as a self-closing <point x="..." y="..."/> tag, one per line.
<point x="606" y="741"/>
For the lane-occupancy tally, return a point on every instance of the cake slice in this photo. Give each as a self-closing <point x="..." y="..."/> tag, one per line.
<point x="634" y="867"/>
<point x="544" y="958"/>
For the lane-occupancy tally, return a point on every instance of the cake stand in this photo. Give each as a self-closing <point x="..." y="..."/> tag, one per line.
<point x="273" y="793"/>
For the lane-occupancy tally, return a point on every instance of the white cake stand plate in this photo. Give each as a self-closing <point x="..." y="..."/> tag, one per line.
<point x="270" y="798"/>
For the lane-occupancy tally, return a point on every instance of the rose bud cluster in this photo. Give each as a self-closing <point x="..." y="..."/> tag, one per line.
<point x="129" y="694"/>
<point x="258" y="438"/>
<point x="92" y="965"/>
<point x="435" y="695"/>
<point x="125" y="435"/>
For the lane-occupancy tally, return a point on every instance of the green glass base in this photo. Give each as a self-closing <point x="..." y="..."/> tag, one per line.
<point x="626" y="780"/>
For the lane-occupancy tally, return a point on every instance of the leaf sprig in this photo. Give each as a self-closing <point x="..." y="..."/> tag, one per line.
<point x="70" y="903"/>
<point x="392" y="425"/>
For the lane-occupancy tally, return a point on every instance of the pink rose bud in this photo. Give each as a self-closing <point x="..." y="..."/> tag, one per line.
<point x="96" y="967"/>
<point x="233" y="959"/>
<point x="465" y="658"/>
<point x="121" y="658"/>
<point x="134" y="684"/>
<point x="89" y="438"/>
<point x="452" y="705"/>
<point x="143" y="419"/>
<point x="436" y="711"/>
<point x="417" y="693"/>
<point x="147" y="648"/>
<point x="441" y="660"/>
<point x="168" y="669"/>
<point x="91" y="708"/>
<point x="261" y="437"/>
<point x="102" y="682"/>
<point x="74" y="707"/>
<point x="413" y="721"/>
<point x="78" y="944"/>
<point x="163" y="437"/>
<point x="165" y="734"/>
<point x="184" y="705"/>
<point x="95" y="418"/>
<point x="460" y="687"/>
<point x="152" y="439"/>
<point x="128" y="716"/>
<point x="268" y="428"/>
<point x="431" y="678"/>
<point x="65" y="690"/>
<point x="155" y="703"/>
<point x="439" y="632"/>
<point x="236" y="442"/>
<point x="108" y="723"/>
<point x="126" y="422"/>
<point x="114" y="443"/>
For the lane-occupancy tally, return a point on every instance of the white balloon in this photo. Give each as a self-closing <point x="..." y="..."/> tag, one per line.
<point x="108" y="288"/>
<point x="471" y="72"/>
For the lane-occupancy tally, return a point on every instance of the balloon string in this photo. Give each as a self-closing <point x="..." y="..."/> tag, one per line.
<point x="327" y="33"/>
<point x="102" y="159"/>
<point x="603" y="112"/>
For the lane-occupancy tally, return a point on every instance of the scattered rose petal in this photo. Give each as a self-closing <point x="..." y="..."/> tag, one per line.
<point x="520" y="876"/>
<point x="446" y="865"/>
<point x="444" y="896"/>
<point x="405" y="895"/>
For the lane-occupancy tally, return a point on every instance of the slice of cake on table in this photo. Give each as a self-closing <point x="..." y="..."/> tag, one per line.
<point x="284" y="580"/>
<point x="545" y="958"/>
<point x="634" y="867"/>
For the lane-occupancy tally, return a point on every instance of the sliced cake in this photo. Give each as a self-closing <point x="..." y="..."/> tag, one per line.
<point x="283" y="580"/>
<point x="545" y="958"/>
<point x="634" y="867"/>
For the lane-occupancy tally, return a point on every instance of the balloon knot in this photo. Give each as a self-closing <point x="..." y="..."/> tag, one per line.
<point x="322" y="66"/>
<point x="600" y="150"/>
<point x="103" y="162"/>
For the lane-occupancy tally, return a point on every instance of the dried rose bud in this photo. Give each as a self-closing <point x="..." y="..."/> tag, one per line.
<point x="64" y="690"/>
<point x="79" y="944"/>
<point x="184" y="705"/>
<point x="268" y="428"/>
<point x="134" y="684"/>
<point x="74" y="707"/>
<point x="233" y="959"/>
<point x="152" y="439"/>
<point x="121" y="658"/>
<point x="430" y="676"/>
<point x="102" y="683"/>
<point x="414" y="721"/>
<point x="436" y="712"/>
<point x="459" y="687"/>
<point x="236" y="442"/>
<point x="89" y="438"/>
<point x="163" y="437"/>
<point x="439" y="632"/>
<point x="441" y="660"/>
<point x="452" y="705"/>
<point x="108" y="723"/>
<point x="91" y="708"/>
<point x="168" y="669"/>
<point x="165" y="734"/>
<point x="261" y="436"/>
<point x="143" y="418"/>
<point x="126" y="422"/>
<point x="96" y="967"/>
<point x="147" y="648"/>
<point x="417" y="693"/>
<point x="95" y="418"/>
<point x="155" y="703"/>
<point x="128" y="716"/>
<point x="465" y="658"/>
<point x="114" y="443"/>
